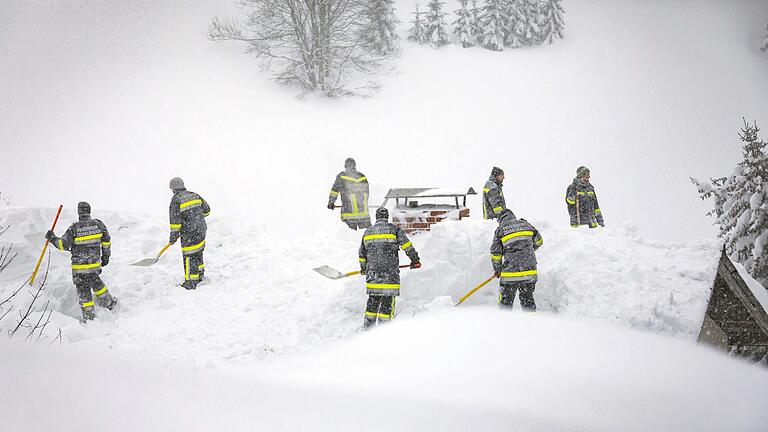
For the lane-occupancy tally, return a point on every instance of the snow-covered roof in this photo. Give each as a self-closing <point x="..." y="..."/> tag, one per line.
<point x="429" y="192"/>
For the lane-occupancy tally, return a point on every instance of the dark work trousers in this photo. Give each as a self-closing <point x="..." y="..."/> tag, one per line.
<point x="508" y="291"/>
<point x="358" y="224"/>
<point x="194" y="268"/>
<point x="87" y="286"/>
<point x="380" y="308"/>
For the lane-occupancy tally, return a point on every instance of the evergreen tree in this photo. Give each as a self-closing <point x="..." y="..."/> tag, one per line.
<point x="465" y="27"/>
<point x="516" y="28"/>
<point x="741" y="205"/>
<point x="475" y="12"/>
<point x="417" y="33"/>
<point x="379" y="31"/>
<point x="435" y="28"/>
<point x="765" y="41"/>
<point x="493" y="22"/>
<point x="552" y="21"/>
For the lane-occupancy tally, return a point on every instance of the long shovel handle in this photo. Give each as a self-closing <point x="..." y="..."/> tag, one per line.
<point x="358" y="272"/>
<point x="45" y="247"/>
<point x="474" y="290"/>
<point x="165" y="248"/>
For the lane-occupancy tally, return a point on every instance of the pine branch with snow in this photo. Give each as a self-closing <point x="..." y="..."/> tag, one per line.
<point x="416" y="32"/>
<point x="465" y="27"/>
<point x="741" y="205"/>
<point x="552" y="21"/>
<point x="493" y="22"/>
<point x="379" y="31"/>
<point x="435" y="30"/>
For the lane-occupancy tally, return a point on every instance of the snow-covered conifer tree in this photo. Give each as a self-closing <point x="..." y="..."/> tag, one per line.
<point x="416" y="33"/>
<point x="464" y="28"/>
<point x="552" y="21"/>
<point x="741" y="205"/>
<point x="379" y="31"/>
<point x="435" y="30"/>
<point x="516" y="26"/>
<point x="493" y="22"/>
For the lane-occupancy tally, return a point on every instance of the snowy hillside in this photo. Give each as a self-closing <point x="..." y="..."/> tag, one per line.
<point x="263" y="301"/>
<point x="637" y="91"/>
<point x="478" y="370"/>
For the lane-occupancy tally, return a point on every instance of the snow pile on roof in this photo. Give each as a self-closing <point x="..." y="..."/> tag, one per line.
<point x="263" y="301"/>
<point x="759" y="291"/>
<point x="479" y="369"/>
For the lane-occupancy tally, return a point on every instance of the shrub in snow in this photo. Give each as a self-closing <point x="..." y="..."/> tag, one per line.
<point x="435" y="28"/>
<point x="493" y="22"/>
<point x="465" y="27"/>
<point x="741" y="205"/>
<point x="379" y="31"/>
<point x="313" y="43"/>
<point x="416" y="33"/>
<point x="552" y="23"/>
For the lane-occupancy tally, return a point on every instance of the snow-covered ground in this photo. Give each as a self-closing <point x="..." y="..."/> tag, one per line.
<point x="261" y="299"/>
<point x="479" y="370"/>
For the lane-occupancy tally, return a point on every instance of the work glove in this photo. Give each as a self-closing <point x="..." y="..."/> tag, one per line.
<point x="173" y="237"/>
<point x="497" y="274"/>
<point x="331" y="206"/>
<point x="104" y="260"/>
<point x="362" y="270"/>
<point x="415" y="264"/>
<point x="50" y="236"/>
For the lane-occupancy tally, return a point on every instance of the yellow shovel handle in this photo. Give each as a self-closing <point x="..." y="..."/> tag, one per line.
<point x="482" y="284"/>
<point x="163" y="249"/>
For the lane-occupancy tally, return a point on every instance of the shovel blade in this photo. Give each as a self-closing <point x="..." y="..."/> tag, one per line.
<point x="329" y="272"/>
<point x="146" y="262"/>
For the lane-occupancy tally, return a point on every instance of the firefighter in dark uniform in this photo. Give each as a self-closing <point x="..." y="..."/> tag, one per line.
<point x="580" y="196"/>
<point x="380" y="263"/>
<point x="493" y="195"/>
<point x="514" y="260"/>
<point x="187" y="213"/>
<point x="89" y="242"/>
<point x="352" y="186"/>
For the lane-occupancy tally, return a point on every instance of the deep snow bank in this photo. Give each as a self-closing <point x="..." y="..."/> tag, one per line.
<point x="479" y="369"/>
<point x="262" y="300"/>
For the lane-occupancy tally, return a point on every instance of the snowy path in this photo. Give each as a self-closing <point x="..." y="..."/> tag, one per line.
<point x="262" y="301"/>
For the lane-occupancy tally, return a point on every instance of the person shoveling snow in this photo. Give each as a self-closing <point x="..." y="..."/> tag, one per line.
<point x="188" y="211"/>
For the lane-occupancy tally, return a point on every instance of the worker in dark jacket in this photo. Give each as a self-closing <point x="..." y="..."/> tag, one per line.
<point x="352" y="186"/>
<point x="380" y="263"/>
<point x="514" y="260"/>
<point x="493" y="195"/>
<point x="89" y="242"/>
<point x="187" y="212"/>
<point x="581" y="199"/>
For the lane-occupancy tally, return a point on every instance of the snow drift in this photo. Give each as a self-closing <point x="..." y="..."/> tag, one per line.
<point x="479" y="369"/>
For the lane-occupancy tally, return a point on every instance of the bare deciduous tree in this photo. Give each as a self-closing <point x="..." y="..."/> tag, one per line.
<point x="313" y="43"/>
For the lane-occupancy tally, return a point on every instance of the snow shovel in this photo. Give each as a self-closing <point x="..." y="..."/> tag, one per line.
<point x="332" y="273"/>
<point x="40" y="260"/>
<point x="474" y="290"/>
<point x="146" y="262"/>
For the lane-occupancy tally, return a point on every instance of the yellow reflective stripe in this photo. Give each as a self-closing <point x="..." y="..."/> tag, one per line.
<point x="574" y="226"/>
<point x="189" y="203"/>
<point x="105" y="244"/>
<point x="354" y="179"/>
<point x="498" y="209"/>
<point x="175" y="226"/>
<point x="88" y="304"/>
<point x="570" y="201"/>
<point x="590" y="193"/>
<point x="193" y="247"/>
<point x="486" y="190"/>
<point x="597" y="211"/>
<point x="406" y="246"/>
<point x="539" y="242"/>
<point x="206" y="214"/>
<point x="61" y="244"/>
<point x="579" y="193"/>
<point x="379" y="236"/>
<point x="370" y="314"/>
<point x="496" y="257"/>
<point x="89" y="237"/>
<point x="101" y="291"/>
<point x="201" y="266"/>
<point x="519" y="274"/>
<point x="334" y="193"/>
<point x="194" y="277"/>
<point x="361" y="259"/>
<point x="383" y="286"/>
<point x="384" y="316"/>
<point x="355" y="209"/>
<point x="85" y="266"/>
<point x="517" y="234"/>
<point x="186" y="268"/>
